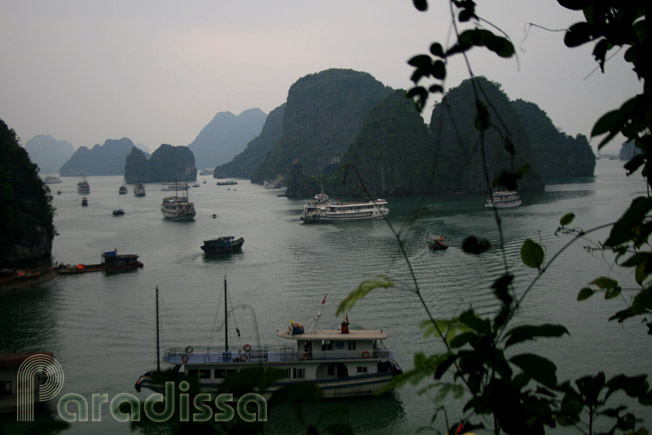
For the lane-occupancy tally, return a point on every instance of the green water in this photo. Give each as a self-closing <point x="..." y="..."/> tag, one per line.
<point x="101" y="328"/>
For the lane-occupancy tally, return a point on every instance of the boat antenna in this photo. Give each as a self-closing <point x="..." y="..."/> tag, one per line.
<point x="226" y="316"/>
<point x="315" y="320"/>
<point x="158" y="345"/>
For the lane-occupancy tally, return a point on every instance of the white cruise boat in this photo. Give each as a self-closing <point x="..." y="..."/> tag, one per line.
<point x="323" y="210"/>
<point x="342" y="362"/>
<point x="139" y="189"/>
<point x="178" y="208"/>
<point x="501" y="198"/>
<point x="173" y="187"/>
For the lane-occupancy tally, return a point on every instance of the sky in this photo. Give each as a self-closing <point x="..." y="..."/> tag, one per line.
<point x="157" y="71"/>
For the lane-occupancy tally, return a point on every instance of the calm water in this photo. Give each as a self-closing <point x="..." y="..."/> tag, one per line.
<point x="101" y="328"/>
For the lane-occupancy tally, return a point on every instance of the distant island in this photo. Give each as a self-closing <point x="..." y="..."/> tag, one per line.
<point x="48" y="153"/>
<point x="361" y="123"/>
<point x="225" y="137"/>
<point x="106" y="159"/>
<point x="167" y="164"/>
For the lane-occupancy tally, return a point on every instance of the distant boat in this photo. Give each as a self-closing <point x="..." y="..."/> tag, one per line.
<point x="168" y="187"/>
<point x="83" y="187"/>
<point x="118" y="212"/>
<point x="84" y="202"/>
<point x="206" y="171"/>
<point x="436" y="243"/>
<point x="502" y="198"/>
<point x="221" y="245"/>
<point x="196" y="185"/>
<point x="227" y="183"/>
<point x="51" y="179"/>
<point x="139" y="189"/>
<point x="178" y="208"/>
<point x="122" y="190"/>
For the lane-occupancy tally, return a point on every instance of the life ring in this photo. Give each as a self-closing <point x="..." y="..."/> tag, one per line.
<point x="189" y="349"/>
<point x="305" y="355"/>
<point x="365" y="354"/>
<point x="247" y="347"/>
<point x="243" y="357"/>
<point x="185" y="357"/>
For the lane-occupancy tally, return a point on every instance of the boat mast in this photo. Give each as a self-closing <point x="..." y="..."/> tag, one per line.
<point x="158" y="345"/>
<point x="226" y="323"/>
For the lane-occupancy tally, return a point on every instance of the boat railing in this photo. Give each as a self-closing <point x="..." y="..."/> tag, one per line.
<point x="265" y="354"/>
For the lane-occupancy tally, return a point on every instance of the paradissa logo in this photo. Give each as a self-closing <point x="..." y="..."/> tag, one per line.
<point x="201" y="406"/>
<point x="43" y="374"/>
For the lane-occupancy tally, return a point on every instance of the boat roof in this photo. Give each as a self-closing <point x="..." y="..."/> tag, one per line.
<point x="335" y="334"/>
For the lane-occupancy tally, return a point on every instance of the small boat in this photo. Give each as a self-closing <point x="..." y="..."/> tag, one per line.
<point x="118" y="212"/>
<point x="84" y="202"/>
<point x="322" y="210"/>
<point x="436" y="243"/>
<point x="83" y="187"/>
<point x="110" y="261"/>
<point x="502" y="198"/>
<point x="58" y="192"/>
<point x="214" y="216"/>
<point x="222" y="245"/>
<point x="196" y="185"/>
<point x="226" y="183"/>
<point x="169" y="187"/>
<point x="139" y="189"/>
<point x="122" y="190"/>
<point x="51" y="179"/>
<point x="341" y="362"/>
<point x="206" y="171"/>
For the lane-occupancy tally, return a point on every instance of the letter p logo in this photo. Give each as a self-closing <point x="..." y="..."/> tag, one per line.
<point x="40" y="378"/>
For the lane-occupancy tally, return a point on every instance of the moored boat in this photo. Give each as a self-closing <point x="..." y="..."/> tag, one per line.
<point x="122" y="190"/>
<point x="322" y="210"/>
<point x="169" y="187"/>
<point x="110" y="261"/>
<point x="118" y="212"/>
<point x="84" y="202"/>
<point x="341" y="362"/>
<point x="51" y="179"/>
<point x="501" y="198"/>
<point x="221" y="245"/>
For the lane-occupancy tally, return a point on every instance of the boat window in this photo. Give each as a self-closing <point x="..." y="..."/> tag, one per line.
<point x="362" y="370"/>
<point x="204" y="373"/>
<point x="299" y="373"/>
<point x="288" y="373"/>
<point x="219" y="374"/>
<point x="351" y="345"/>
<point x="326" y="345"/>
<point x="339" y="345"/>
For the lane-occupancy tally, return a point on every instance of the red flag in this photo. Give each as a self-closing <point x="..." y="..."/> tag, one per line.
<point x="324" y="301"/>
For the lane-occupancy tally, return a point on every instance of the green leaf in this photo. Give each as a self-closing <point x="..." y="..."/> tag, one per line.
<point x="585" y="293"/>
<point x="604" y="282"/>
<point x="362" y="291"/>
<point x="438" y="70"/>
<point x="420" y="61"/>
<point x="566" y="219"/>
<point x="590" y="387"/>
<point x="538" y="368"/>
<point x="473" y="245"/>
<point x="624" y="229"/>
<point x="421" y="5"/>
<point x="578" y="34"/>
<point x="642" y="302"/>
<point x="474" y="322"/>
<point x="437" y="50"/>
<point x="528" y="332"/>
<point x="532" y="254"/>
<point x="575" y="5"/>
<point x="444" y="365"/>
<point x="461" y="340"/>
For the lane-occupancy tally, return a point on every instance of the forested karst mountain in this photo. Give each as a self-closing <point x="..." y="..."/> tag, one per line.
<point x="26" y="229"/>
<point x="323" y="114"/>
<point x="106" y="159"/>
<point x="167" y="164"/>
<point x="48" y="153"/>
<point x="244" y="164"/>
<point x="457" y="141"/>
<point x="554" y="154"/>
<point x="393" y="151"/>
<point x="226" y="136"/>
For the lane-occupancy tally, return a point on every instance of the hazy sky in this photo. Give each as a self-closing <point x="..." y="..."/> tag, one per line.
<point x="158" y="71"/>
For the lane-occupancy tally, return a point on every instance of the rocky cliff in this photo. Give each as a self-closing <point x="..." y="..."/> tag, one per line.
<point x="323" y="114"/>
<point x="26" y="229"/>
